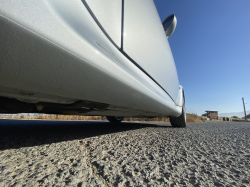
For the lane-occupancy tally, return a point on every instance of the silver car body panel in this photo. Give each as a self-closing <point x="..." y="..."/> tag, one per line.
<point x="147" y="45"/>
<point x="109" y="14"/>
<point x="54" y="51"/>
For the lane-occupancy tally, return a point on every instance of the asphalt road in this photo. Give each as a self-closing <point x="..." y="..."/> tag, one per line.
<point x="75" y="153"/>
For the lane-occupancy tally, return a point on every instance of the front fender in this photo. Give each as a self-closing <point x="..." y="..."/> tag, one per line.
<point x="180" y="99"/>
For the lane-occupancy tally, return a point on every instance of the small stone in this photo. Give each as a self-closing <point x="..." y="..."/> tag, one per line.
<point x="18" y="184"/>
<point x="235" y="170"/>
<point x="217" y="183"/>
<point x="245" y="181"/>
<point x="220" y="175"/>
<point x="97" y="181"/>
<point x="74" y="180"/>
<point x="84" y="184"/>
<point x="2" y="183"/>
<point x="20" y="175"/>
<point x="6" y="169"/>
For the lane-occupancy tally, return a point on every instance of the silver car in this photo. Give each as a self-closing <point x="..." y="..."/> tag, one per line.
<point x="88" y="57"/>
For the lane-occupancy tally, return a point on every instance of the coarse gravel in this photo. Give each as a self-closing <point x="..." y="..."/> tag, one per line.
<point x="75" y="153"/>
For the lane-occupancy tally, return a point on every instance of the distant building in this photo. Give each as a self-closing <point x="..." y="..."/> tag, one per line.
<point x="212" y="115"/>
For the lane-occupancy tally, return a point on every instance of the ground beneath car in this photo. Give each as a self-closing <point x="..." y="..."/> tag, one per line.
<point x="75" y="153"/>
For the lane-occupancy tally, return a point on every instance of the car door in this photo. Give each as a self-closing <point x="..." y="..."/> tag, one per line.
<point x="109" y="14"/>
<point x="134" y="27"/>
<point x="145" y="42"/>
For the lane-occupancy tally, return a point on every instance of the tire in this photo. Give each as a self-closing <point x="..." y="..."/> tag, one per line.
<point x="181" y="121"/>
<point x="115" y="119"/>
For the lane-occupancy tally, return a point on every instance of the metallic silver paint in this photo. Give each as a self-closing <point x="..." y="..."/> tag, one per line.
<point x="55" y="50"/>
<point x="179" y="100"/>
<point x="146" y="42"/>
<point x="109" y="14"/>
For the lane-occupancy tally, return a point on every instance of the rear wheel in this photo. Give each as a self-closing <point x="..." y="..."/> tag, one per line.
<point x="180" y="121"/>
<point x="115" y="119"/>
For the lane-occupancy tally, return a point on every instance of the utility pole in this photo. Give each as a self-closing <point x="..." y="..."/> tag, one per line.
<point x="244" y="109"/>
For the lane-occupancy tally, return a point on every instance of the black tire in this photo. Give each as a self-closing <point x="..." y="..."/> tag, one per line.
<point x="115" y="119"/>
<point x="180" y="121"/>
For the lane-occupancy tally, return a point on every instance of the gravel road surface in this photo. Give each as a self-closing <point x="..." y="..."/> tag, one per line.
<point x="75" y="153"/>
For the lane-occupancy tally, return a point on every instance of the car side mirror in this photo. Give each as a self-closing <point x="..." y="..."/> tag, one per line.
<point x="169" y="25"/>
